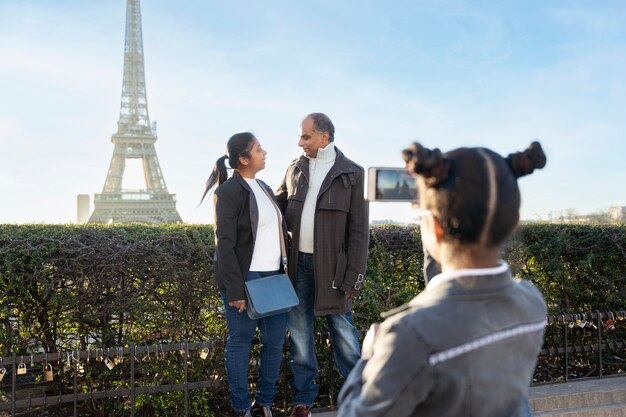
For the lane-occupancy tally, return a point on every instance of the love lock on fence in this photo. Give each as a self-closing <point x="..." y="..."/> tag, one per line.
<point x="21" y="369"/>
<point x="48" y="375"/>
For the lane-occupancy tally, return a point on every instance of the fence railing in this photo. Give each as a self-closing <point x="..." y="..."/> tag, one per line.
<point x="36" y="370"/>
<point x="594" y="326"/>
<point x="110" y="358"/>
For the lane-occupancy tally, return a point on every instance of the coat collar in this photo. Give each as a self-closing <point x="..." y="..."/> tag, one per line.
<point x="341" y="166"/>
<point x="237" y="177"/>
<point x="252" y="209"/>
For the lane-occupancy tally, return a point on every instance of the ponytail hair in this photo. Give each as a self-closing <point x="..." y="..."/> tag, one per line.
<point x="238" y="145"/>
<point x="218" y="176"/>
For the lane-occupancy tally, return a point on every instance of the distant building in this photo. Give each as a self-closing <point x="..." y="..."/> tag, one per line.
<point x="614" y="215"/>
<point x="82" y="205"/>
<point x="617" y="214"/>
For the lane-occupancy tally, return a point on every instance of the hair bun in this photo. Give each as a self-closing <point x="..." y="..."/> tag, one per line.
<point x="430" y="164"/>
<point x="524" y="163"/>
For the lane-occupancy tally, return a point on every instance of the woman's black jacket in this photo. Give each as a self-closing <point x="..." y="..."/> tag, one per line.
<point x="236" y="220"/>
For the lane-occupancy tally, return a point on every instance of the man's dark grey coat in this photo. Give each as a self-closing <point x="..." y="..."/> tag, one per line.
<point x="341" y="232"/>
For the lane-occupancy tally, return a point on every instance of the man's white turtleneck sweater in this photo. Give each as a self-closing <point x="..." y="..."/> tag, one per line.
<point x="318" y="169"/>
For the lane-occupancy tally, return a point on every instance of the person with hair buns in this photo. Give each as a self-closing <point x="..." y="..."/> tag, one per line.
<point x="467" y="345"/>
<point x="247" y="247"/>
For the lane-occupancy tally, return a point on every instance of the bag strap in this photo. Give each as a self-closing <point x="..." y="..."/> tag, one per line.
<point x="283" y="251"/>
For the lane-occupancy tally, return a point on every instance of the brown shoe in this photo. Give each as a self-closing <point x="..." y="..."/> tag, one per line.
<point x="301" y="411"/>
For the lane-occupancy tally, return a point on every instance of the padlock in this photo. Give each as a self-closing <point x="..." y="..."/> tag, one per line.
<point x="3" y="372"/>
<point x="48" y="375"/>
<point x="21" y="369"/>
<point x="204" y="353"/>
<point x="67" y="367"/>
<point x="109" y="363"/>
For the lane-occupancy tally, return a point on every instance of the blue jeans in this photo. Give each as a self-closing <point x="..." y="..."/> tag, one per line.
<point x="343" y="334"/>
<point x="241" y="330"/>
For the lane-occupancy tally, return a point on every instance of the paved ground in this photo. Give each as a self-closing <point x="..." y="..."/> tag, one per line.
<point x="575" y="387"/>
<point x="551" y="390"/>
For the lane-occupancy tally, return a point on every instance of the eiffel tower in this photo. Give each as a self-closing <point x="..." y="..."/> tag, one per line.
<point x="134" y="139"/>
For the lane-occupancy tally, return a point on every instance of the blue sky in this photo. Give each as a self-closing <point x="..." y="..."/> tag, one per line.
<point x="447" y="74"/>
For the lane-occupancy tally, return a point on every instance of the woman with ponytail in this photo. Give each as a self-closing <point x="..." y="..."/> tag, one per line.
<point x="467" y="345"/>
<point x="247" y="247"/>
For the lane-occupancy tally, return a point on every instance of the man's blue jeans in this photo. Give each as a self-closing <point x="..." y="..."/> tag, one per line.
<point x="343" y="334"/>
<point x="241" y="330"/>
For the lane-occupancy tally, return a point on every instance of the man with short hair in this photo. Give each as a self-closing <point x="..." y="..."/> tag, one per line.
<point x="322" y="197"/>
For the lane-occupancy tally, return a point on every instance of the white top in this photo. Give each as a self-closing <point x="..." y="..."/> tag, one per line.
<point x="318" y="169"/>
<point x="266" y="254"/>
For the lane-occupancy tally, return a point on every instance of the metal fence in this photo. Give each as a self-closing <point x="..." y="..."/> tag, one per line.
<point x="24" y="372"/>
<point x="41" y="364"/>
<point x="602" y="334"/>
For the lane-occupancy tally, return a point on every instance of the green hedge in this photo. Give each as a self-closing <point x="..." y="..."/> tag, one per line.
<point x="63" y="287"/>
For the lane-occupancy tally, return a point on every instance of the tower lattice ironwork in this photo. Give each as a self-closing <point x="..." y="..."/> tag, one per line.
<point x="134" y="139"/>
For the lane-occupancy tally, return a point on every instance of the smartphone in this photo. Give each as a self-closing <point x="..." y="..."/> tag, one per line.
<point x="391" y="184"/>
